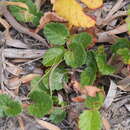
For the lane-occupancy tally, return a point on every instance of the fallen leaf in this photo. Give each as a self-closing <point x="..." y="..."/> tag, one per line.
<point x="28" y="77"/>
<point x="20" y="4"/>
<point x="13" y="69"/>
<point x="79" y="98"/>
<point x="90" y="91"/>
<point x="48" y="17"/>
<point x="110" y="95"/>
<point x="93" y="4"/>
<point x="124" y="84"/>
<point x="5" y="23"/>
<point x="47" y="125"/>
<point x="106" y="124"/>
<point x="73" y="12"/>
<point x="21" y="123"/>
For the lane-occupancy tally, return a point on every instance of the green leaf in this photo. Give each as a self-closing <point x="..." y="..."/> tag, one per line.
<point x="90" y="120"/>
<point x="103" y="67"/>
<point x="8" y="106"/>
<point x="42" y="104"/>
<point x="58" y="77"/>
<point x="83" y="38"/>
<point x="120" y="44"/>
<point x="125" y="55"/>
<point x="88" y="76"/>
<point x="37" y="84"/>
<point x="76" y="56"/>
<point x="95" y="102"/>
<point x="53" y="56"/>
<point x="56" y="33"/>
<point x="57" y="116"/>
<point x="23" y="15"/>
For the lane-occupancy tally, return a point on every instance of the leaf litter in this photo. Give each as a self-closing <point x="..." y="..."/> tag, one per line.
<point x="23" y="44"/>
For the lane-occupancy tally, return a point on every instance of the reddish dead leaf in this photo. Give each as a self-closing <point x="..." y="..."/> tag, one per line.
<point x="76" y="86"/>
<point x="90" y="90"/>
<point x="49" y="17"/>
<point x="79" y="99"/>
<point x="25" y="105"/>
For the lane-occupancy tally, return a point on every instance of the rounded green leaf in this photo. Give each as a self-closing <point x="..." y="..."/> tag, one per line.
<point x="53" y="56"/>
<point x="42" y="104"/>
<point x="90" y="120"/>
<point x="56" y="33"/>
<point x="8" y="106"/>
<point x="76" y="56"/>
<point x="82" y="38"/>
<point x="57" y="116"/>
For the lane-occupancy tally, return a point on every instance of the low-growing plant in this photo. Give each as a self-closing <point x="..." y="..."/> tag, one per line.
<point x="68" y="52"/>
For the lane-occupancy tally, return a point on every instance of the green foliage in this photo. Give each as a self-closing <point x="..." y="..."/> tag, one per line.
<point x="120" y="44"/>
<point x="75" y="56"/>
<point x="37" y="84"/>
<point x="103" y="67"/>
<point x="125" y="55"/>
<point x="95" y="102"/>
<point x="56" y="79"/>
<point x="88" y="76"/>
<point x="9" y="107"/>
<point x="82" y="38"/>
<point x="23" y="15"/>
<point x="56" y="33"/>
<point x="90" y="120"/>
<point x="53" y="56"/>
<point x="41" y="105"/>
<point x="57" y="116"/>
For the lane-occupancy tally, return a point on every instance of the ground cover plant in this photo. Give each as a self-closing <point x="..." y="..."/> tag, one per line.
<point x="73" y="61"/>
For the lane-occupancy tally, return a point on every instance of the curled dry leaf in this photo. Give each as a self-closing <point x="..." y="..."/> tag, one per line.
<point x="49" y="17"/>
<point x="13" y="69"/>
<point x="90" y="91"/>
<point x="4" y="23"/>
<point x="28" y="77"/>
<point x="74" y="15"/>
<point x="93" y="4"/>
<point x="47" y="125"/>
<point x="110" y="95"/>
<point x="20" y="4"/>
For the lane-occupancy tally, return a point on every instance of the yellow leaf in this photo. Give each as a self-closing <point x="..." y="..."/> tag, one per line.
<point x="73" y="12"/>
<point x="93" y="4"/>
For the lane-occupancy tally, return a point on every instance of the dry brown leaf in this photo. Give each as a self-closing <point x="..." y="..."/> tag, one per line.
<point x="20" y="4"/>
<point x="21" y="123"/>
<point x="49" y="17"/>
<point x="28" y="77"/>
<point x="13" y="69"/>
<point x="106" y="124"/>
<point x="124" y="84"/>
<point x="5" y="23"/>
<point x="47" y="125"/>
<point x="14" y="83"/>
<point x="79" y="99"/>
<point x="93" y="4"/>
<point x="73" y="13"/>
<point x="90" y="91"/>
<point x="110" y="95"/>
